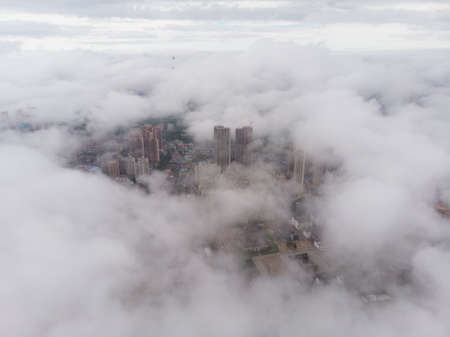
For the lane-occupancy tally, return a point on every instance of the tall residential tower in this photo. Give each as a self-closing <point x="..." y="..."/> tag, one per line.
<point x="243" y="140"/>
<point x="222" y="146"/>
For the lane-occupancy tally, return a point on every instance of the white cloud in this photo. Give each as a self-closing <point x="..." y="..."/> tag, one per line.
<point x="82" y="255"/>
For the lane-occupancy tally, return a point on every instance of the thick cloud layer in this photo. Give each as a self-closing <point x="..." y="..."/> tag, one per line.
<point x="320" y="10"/>
<point x="82" y="255"/>
<point x="143" y="25"/>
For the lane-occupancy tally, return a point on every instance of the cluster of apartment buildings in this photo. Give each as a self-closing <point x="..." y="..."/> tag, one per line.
<point x="302" y="168"/>
<point x="223" y="153"/>
<point x="143" y="153"/>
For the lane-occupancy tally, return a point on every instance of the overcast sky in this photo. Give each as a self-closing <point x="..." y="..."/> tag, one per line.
<point x="147" y="25"/>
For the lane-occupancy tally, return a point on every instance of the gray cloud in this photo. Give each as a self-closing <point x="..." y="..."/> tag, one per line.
<point x="121" y="24"/>
<point x="317" y="12"/>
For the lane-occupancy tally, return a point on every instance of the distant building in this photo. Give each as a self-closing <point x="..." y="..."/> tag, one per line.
<point x="222" y="146"/>
<point x="299" y="167"/>
<point x="306" y="172"/>
<point x="151" y="142"/>
<point x="130" y="167"/>
<point x="153" y="150"/>
<point x="158" y="133"/>
<point x="142" y="167"/>
<point x="243" y="139"/>
<point x="113" y="168"/>
<point x="123" y="166"/>
<point x="87" y="154"/>
<point x="145" y="142"/>
<point x="137" y="144"/>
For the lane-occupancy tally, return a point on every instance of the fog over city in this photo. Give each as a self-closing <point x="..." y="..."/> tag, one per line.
<point x="83" y="254"/>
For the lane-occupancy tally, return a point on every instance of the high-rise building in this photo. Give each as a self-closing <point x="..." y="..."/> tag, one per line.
<point x="122" y="165"/>
<point x="222" y="146"/>
<point x="307" y="173"/>
<point x="145" y="142"/>
<point x="153" y="150"/>
<point x="130" y="167"/>
<point x="142" y="167"/>
<point x="243" y="140"/>
<point x="151" y="143"/>
<point x="137" y="144"/>
<point x="299" y="168"/>
<point x="113" y="169"/>
<point x="158" y="133"/>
